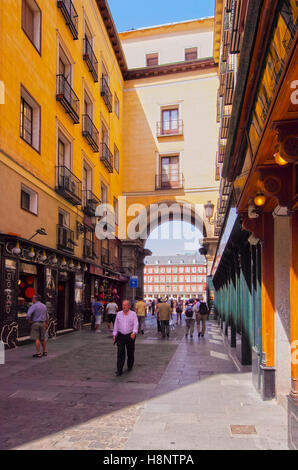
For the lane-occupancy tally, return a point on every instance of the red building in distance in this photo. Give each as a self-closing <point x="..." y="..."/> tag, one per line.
<point x="175" y="276"/>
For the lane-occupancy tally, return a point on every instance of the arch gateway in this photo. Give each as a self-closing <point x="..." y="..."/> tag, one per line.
<point x="170" y="135"/>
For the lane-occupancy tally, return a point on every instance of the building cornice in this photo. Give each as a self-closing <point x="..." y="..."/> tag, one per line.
<point x="112" y="33"/>
<point x="218" y="20"/>
<point x="167" y="69"/>
<point x="146" y="72"/>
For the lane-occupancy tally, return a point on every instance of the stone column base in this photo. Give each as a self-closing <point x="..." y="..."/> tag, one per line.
<point x="267" y="382"/>
<point x="256" y="372"/>
<point x="292" y="423"/>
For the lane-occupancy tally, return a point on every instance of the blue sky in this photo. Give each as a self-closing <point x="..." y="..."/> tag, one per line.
<point x="135" y="14"/>
<point x="174" y="238"/>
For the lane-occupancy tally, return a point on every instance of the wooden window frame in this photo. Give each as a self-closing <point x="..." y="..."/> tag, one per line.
<point x="171" y="130"/>
<point x="24" y="130"/>
<point x="191" y="51"/>
<point x="32" y="194"/>
<point x="117" y="106"/>
<point x="116" y="152"/>
<point x="23" y="25"/>
<point x="25" y="96"/>
<point x="154" y="57"/>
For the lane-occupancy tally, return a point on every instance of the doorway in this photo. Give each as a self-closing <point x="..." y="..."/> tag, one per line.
<point x="63" y="310"/>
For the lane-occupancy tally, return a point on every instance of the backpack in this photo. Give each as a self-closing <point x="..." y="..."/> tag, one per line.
<point x="189" y="311"/>
<point x="203" y="309"/>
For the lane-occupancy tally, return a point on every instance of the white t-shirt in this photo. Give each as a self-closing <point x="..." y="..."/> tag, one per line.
<point x="112" y="308"/>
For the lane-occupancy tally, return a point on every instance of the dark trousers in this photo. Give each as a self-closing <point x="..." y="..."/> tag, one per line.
<point x="165" y="328"/>
<point x="125" y="342"/>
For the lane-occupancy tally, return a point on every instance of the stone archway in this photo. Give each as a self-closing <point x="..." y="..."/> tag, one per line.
<point x="145" y="220"/>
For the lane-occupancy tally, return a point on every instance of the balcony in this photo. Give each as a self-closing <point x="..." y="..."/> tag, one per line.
<point x="90" y="133"/>
<point x="65" y="239"/>
<point x="88" y="249"/>
<point x="221" y="150"/>
<point x="70" y="15"/>
<point x="217" y="172"/>
<point x="223" y="206"/>
<point x="226" y="45"/>
<point x="226" y="187"/>
<point x="229" y="88"/>
<point x="106" y="94"/>
<point x="235" y="35"/>
<point x="166" y="129"/>
<point x="67" y="97"/>
<point x="105" y="256"/>
<point x="225" y="122"/>
<point x="68" y="185"/>
<point x="169" y="181"/>
<point x="90" y="202"/>
<point x="90" y="59"/>
<point x="222" y="79"/>
<point x="106" y="157"/>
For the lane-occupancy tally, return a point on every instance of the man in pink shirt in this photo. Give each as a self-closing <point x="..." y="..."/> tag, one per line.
<point x="124" y="334"/>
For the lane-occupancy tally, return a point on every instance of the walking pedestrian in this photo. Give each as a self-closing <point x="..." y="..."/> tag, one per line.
<point x="111" y="311"/>
<point x="202" y="313"/>
<point x="190" y="318"/>
<point x="141" y="311"/>
<point x="164" y="315"/>
<point x="155" y="312"/>
<point x="179" y="310"/>
<point x="38" y="316"/>
<point x="124" y="335"/>
<point x="97" y="312"/>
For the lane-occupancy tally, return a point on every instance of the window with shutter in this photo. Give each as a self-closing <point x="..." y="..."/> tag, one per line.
<point x="31" y="21"/>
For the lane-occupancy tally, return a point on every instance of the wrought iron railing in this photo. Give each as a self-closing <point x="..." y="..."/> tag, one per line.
<point x="67" y="97"/>
<point x="166" y="128"/>
<point x="90" y="59"/>
<point x="106" y="157"/>
<point x="68" y="185"/>
<point x="90" y="132"/>
<point x="172" y="180"/>
<point x="88" y="249"/>
<point x="89" y="202"/>
<point x="106" y="94"/>
<point x="70" y="15"/>
<point x="65" y="239"/>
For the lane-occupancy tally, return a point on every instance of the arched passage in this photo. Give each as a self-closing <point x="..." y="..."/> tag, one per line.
<point x="141" y="221"/>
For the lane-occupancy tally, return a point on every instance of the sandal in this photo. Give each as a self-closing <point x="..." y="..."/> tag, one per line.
<point x="45" y="353"/>
<point x="37" y="355"/>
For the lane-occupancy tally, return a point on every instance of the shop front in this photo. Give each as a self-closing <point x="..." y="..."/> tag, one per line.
<point x="103" y="284"/>
<point x="27" y="269"/>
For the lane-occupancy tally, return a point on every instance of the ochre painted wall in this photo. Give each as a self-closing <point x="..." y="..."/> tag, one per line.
<point x="37" y="73"/>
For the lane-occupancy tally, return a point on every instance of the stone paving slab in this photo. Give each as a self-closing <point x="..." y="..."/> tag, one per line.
<point x="182" y="394"/>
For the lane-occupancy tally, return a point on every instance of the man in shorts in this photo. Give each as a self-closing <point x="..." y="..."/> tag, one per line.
<point x="111" y="310"/>
<point x="38" y="316"/>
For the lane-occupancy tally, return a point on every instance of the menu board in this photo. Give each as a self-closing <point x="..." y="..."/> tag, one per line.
<point x="10" y="299"/>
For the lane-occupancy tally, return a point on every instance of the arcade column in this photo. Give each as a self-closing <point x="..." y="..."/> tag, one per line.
<point x="268" y="388"/>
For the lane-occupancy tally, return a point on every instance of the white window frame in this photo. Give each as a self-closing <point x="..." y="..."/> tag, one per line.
<point x="36" y="24"/>
<point x="33" y="199"/>
<point x="36" y="119"/>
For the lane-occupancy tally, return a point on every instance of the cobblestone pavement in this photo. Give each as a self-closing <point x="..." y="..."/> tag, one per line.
<point x="181" y="394"/>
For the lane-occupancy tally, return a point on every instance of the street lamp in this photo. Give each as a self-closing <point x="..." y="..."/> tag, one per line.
<point x="209" y="210"/>
<point x="39" y="231"/>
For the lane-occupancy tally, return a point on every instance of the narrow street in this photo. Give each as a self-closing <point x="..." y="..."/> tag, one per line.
<point x="182" y="394"/>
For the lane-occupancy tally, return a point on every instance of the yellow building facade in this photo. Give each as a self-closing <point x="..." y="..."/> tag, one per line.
<point x="60" y="153"/>
<point x="170" y="124"/>
<point x="89" y="116"/>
